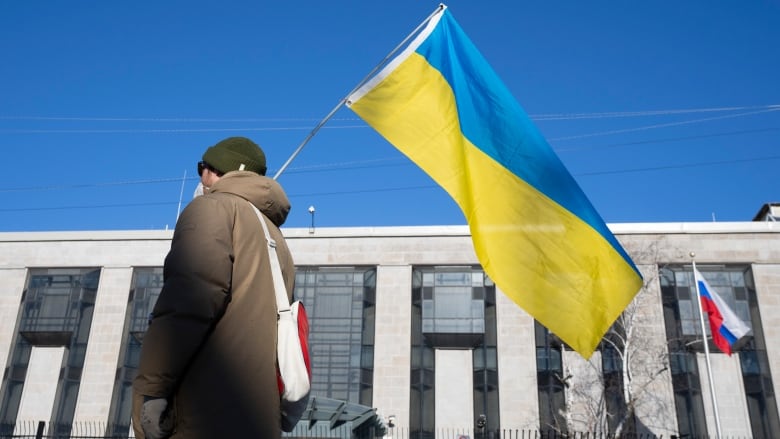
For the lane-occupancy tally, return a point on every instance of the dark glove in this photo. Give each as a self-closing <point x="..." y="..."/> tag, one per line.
<point x="156" y="419"/>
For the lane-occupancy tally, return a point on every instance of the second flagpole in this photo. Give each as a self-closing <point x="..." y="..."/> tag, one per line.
<point x="706" y="349"/>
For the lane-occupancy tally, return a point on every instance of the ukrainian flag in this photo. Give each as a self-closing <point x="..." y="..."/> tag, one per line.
<point x="534" y="230"/>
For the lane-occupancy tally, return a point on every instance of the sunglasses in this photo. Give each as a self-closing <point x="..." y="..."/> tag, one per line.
<point x="201" y="166"/>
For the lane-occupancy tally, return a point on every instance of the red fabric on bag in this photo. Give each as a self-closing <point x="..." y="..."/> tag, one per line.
<point x="303" y="335"/>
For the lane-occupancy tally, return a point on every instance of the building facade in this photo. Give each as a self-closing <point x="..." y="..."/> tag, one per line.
<point x="404" y="320"/>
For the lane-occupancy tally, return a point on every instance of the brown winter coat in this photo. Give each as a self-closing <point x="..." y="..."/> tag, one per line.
<point x="211" y="344"/>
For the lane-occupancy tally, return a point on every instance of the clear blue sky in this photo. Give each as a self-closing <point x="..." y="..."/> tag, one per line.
<point x="663" y="111"/>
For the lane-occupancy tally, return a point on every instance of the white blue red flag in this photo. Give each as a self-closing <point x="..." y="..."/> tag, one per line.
<point x="726" y="327"/>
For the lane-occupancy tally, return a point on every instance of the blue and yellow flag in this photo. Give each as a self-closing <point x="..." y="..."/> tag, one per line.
<point x="535" y="232"/>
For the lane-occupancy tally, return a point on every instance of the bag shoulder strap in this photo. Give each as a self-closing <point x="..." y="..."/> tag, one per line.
<point x="282" y="302"/>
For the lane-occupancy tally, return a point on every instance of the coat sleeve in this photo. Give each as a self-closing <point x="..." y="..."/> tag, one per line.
<point x="195" y="292"/>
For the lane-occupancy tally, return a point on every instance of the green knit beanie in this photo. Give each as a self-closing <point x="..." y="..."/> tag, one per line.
<point x="236" y="154"/>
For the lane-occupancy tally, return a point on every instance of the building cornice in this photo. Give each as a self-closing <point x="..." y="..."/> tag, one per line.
<point x="395" y="231"/>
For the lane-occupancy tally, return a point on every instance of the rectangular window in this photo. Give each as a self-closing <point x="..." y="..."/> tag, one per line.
<point x="453" y="308"/>
<point x="550" y="383"/>
<point x="144" y="290"/>
<point x="56" y="310"/>
<point x="453" y="305"/>
<point x="340" y="304"/>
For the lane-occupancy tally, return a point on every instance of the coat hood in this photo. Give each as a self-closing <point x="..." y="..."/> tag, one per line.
<point x="265" y="193"/>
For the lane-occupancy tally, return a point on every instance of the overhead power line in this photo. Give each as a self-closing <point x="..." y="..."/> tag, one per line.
<point x="396" y="161"/>
<point x="172" y="130"/>
<point x="167" y="119"/>
<point x="396" y="189"/>
<point x="550" y="116"/>
<point x="356" y="164"/>
<point x="746" y="110"/>
<point x="87" y="206"/>
<point x="90" y="185"/>
<point x="665" y="125"/>
<point x="682" y="166"/>
<point x="363" y="164"/>
<point x="617" y="114"/>
<point x="668" y="139"/>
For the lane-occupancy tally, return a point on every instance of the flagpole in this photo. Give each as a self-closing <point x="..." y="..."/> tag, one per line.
<point x="360" y="84"/>
<point x="181" y="194"/>
<point x="706" y="349"/>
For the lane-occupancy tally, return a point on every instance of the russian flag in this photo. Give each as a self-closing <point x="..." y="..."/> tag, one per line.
<point x="726" y="327"/>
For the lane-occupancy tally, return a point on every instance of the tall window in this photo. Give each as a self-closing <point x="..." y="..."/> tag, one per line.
<point x="340" y="303"/>
<point x="761" y="399"/>
<point x="615" y="403"/>
<point x="422" y="401"/>
<point x="144" y="290"/>
<point x="681" y="315"/>
<point x="452" y="308"/>
<point x="550" y="381"/>
<point x="485" y="360"/>
<point x="56" y="310"/>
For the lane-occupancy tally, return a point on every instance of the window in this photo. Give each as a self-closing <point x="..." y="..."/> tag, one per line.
<point x="452" y="308"/>
<point x="453" y="305"/>
<point x="340" y="303"/>
<point x="144" y="291"/>
<point x="485" y="360"/>
<point x="551" y="383"/>
<point x="612" y="372"/>
<point x="56" y="310"/>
